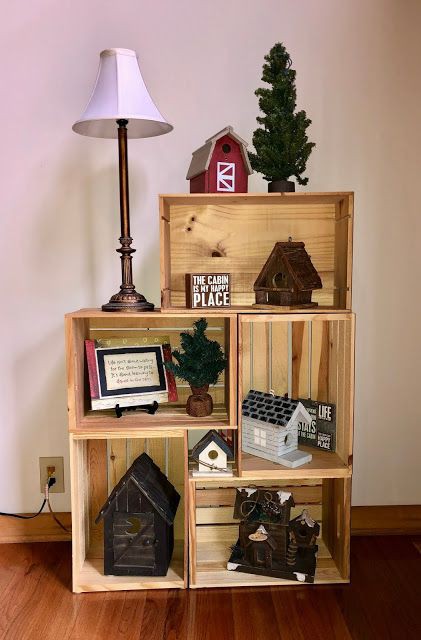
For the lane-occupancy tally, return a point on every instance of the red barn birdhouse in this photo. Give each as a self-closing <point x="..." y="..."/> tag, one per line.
<point x="220" y="165"/>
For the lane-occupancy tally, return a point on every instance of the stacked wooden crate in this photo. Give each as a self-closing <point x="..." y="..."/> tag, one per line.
<point x="305" y="354"/>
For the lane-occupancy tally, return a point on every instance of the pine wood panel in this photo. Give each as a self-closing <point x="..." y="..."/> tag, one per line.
<point x="300" y="361"/>
<point x="320" y="361"/>
<point x="279" y="363"/>
<point x="223" y="515"/>
<point x="241" y="233"/>
<point x="225" y="496"/>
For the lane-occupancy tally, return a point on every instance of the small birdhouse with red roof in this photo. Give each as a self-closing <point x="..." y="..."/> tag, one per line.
<point x="221" y="165"/>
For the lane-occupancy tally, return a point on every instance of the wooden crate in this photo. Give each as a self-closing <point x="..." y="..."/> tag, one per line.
<point x="213" y="529"/>
<point x="306" y="356"/>
<point x="93" y="323"/>
<point x="96" y="467"/>
<point x="235" y="233"/>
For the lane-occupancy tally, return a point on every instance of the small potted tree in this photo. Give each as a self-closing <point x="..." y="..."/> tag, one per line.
<point x="200" y="363"/>
<point x="281" y="143"/>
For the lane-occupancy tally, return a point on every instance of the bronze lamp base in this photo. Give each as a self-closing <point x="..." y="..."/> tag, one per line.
<point x="128" y="301"/>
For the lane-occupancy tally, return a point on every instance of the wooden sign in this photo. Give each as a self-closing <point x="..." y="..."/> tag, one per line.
<point x="321" y="433"/>
<point x="205" y="290"/>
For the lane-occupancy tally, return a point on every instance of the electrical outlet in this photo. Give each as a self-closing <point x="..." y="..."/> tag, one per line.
<point x="52" y="467"/>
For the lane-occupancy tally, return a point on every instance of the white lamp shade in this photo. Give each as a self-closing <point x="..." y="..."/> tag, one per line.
<point x="120" y="94"/>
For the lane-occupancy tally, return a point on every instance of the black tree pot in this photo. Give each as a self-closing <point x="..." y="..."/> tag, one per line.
<point x="281" y="186"/>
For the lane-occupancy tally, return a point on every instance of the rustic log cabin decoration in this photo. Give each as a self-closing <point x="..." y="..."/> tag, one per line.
<point x="204" y="290"/>
<point x="269" y="543"/>
<point x="139" y="522"/>
<point x="212" y="453"/>
<point x="270" y="426"/>
<point x="221" y="165"/>
<point x="287" y="278"/>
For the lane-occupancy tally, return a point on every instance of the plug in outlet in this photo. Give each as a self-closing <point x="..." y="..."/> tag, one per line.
<point x="52" y="467"/>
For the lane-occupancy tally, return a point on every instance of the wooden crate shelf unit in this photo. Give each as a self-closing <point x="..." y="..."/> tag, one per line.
<point x="305" y="353"/>
<point x="304" y="356"/>
<point x="235" y="233"/>
<point x="96" y="467"/>
<point x="213" y="530"/>
<point x="95" y="324"/>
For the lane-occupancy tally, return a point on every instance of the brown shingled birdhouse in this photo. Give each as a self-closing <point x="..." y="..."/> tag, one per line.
<point x="288" y="278"/>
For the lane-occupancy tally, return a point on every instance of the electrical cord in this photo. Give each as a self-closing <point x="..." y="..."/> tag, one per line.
<point x="51" y="482"/>
<point x="18" y="515"/>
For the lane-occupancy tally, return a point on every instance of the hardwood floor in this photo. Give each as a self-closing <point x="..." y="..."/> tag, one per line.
<point x="383" y="602"/>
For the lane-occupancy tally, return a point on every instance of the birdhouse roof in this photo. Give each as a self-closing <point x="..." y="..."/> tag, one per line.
<point x="308" y="520"/>
<point x="293" y="257"/>
<point x="248" y="498"/>
<point x="154" y="485"/>
<point x="201" y="157"/>
<point x="215" y="437"/>
<point x="276" y="410"/>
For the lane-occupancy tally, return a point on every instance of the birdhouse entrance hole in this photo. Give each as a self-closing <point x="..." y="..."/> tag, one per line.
<point x="213" y="454"/>
<point x="280" y="281"/>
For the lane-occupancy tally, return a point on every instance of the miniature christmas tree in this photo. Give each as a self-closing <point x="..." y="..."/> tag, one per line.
<point x="200" y="364"/>
<point x="201" y="361"/>
<point x="281" y="143"/>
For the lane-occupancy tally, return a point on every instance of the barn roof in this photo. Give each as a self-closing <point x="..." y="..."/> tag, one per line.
<point x="154" y="485"/>
<point x="212" y="436"/>
<point x="201" y="157"/>
<point x="276" y="410"/>
<point x="297" y="263"/>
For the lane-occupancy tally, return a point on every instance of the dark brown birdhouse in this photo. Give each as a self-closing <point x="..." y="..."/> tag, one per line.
<point x="138" y="522"/>
<point x="304" y="530"/>
<point x="288" y="278"/>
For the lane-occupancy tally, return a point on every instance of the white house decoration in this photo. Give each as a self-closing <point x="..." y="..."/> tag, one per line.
<point x="212" y="453"/>
<point x="270" y="428"/>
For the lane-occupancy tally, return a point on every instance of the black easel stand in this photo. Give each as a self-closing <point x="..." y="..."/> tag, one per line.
<point x="147" y="408"/>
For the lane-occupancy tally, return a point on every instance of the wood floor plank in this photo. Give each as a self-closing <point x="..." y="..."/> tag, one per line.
<point x="382" y="601"/>
<point x="309" y="613"/>
<point x="384" y="597"/>
<point x="211" y="614"/>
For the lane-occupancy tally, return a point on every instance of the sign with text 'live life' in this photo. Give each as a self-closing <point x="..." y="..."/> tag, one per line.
<point x="208" y="290"/>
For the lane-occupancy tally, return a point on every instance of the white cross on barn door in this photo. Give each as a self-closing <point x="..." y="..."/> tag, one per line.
<point x="225" y="176"/>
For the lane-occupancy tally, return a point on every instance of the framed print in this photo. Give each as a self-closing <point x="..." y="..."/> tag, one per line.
<point x="128" y="371"/>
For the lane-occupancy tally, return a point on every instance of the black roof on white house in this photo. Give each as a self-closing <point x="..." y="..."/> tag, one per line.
<point x="154" y="485"/>
<point x="276" y="410"/>
<point x="212" y="436"/>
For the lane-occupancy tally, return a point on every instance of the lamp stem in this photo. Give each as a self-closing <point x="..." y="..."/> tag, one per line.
<point x="124" y="178"/>
<point x="127" y="299"/>
<point x="126" y="240"/>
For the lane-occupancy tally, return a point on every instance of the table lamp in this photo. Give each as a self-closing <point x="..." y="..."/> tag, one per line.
<point x="121" y="107"/>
